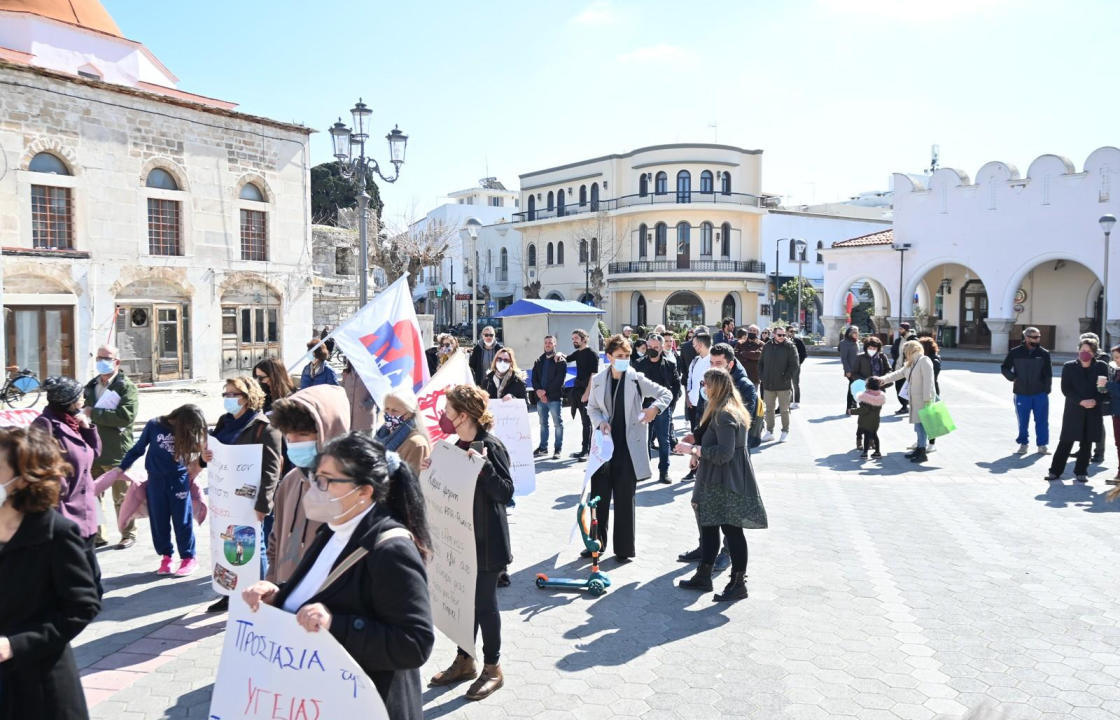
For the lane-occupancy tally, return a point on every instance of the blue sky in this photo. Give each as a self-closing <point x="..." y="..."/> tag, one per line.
<point x="837" y="93"/>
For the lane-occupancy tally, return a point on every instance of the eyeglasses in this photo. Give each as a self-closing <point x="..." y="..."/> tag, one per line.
<point x="232" y="394"/>
<point x="324" y="481"/>
<point x="779" y="334"/>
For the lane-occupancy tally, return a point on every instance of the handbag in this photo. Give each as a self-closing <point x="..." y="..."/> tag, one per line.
<point x="935" y="419"/>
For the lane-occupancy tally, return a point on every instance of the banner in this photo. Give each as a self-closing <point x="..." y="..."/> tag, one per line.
<point x="448" y="486"/>
<point x="235" y="533"/>
<point x="18" y="418"/>
<point x="382" y="342"/>
<point x="272" y="669"/>
<point x="431" y="400"/>
<point x="511" y="426"/>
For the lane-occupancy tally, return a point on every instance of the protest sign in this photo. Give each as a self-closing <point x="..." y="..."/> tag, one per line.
<point x="511" y="426"/>
<point x="448" y="486"/>
<point x="273" y="669"/>
<point x="17" y="418"/>
<point x="431" y="399"/>
<point x="235" y="533"/>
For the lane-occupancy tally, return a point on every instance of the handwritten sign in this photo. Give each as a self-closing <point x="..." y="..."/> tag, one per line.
<point x="431" y="398"/>
<point x="17" y="418"/>
<point x="273" y="669"/>
<point x="235" y="533"/>
<point x="448" y="486"/>
<point x="511" y="426"/>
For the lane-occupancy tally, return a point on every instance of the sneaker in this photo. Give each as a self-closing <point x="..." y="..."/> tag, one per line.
<point x="540" y="452"/>
<point x="794" y="406"/>
<point x="125" y="543"/>
<point x="784" y="437"/>
<point x="556" y="455"/>
<point x="164" y="566"/>
<point x="503" y="579"/>
<point x="664" y="478"/>
<point x="863" y="455"/>
<point x="580" y="456"/>
<point x="767" y="436"/>
<point x="931" y="448"/>
<point x="1022" y="449"/>
<point x="876" y="455"/>
<point x="186" y="567"/>
<point x="690" y="556"/>
<point x="902" y="411"/>
<point x="1052" y="477"/>
<point x="1043" y="450"/>
<point x="723" y="561"/>
<point x="690" y="476"/>
<point x="100" y="542"/>
<point x="1082" y="478"/>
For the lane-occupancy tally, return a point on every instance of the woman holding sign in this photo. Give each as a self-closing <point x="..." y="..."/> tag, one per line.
<point x="363" y="578"/>
<point x="468" y="417"/>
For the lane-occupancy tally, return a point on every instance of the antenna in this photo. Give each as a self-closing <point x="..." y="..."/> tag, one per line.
<point x="715" y="130"/>
<point x="934" y="157"/>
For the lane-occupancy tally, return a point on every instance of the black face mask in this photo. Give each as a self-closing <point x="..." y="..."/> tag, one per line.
<point x="652" y="354"/>
<point x="752" y="336"/>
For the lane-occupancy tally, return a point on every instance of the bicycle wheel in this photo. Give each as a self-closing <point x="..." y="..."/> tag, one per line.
<point x="22" y="395"/>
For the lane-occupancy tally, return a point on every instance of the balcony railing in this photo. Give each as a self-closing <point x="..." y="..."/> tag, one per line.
<point x="662" y="266"/>
<point x="673" y="198"/>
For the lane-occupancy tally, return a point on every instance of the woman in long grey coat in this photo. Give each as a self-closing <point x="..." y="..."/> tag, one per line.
<point x="725" y="495"/>
<point x="615" y="407"/>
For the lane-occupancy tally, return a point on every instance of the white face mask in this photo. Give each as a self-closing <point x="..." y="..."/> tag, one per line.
<point x="872" y="352"/>
<point x="318" y="505"/>
<point x="502" y="366"/>
<point x="4" y="490"/>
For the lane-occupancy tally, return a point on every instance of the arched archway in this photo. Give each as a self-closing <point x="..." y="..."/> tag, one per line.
<point x="684" y="308"/>
<point x="153" y="328"/>
<point x="1059" y="296"/>
<point x="731" y="307"/>
<point x="554" y="295"/>
<point x="872" y="300"/>
<point x="952" y="301"/>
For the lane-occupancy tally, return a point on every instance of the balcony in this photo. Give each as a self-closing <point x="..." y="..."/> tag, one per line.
<point x="664" y="266"/>
<point x="628" y="201"/>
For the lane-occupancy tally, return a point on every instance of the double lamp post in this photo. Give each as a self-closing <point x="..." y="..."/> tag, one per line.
<point x="796" y="255"/>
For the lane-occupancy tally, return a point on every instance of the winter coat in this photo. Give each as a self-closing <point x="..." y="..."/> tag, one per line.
<point x="587" y="364"/>
<point x="684" y="361"/>
<point x="1080" y="383"/>
<point x="432" y="355"/>
<point x="492" y="492"/>
<point x="291" y="530"/>
<point x="663" y="372"/>
<point x="849" y="355"/>
<point x="325" y="376"/>
<point x="798" y="343"/>
<point x="114" y="427"/>
<point x="920" y="378"/>
<point x="47" y="596"/>
<point x="260" y="432"/>
<point x="380" y="609"/>
<point x="515" y="386"/>
<point x="866" y="365"/>
<point x="1114" y="388"/>
<point x="76" y="499"/>
<point x="638" y="387"/>
<point x="748" y="353"/>
<point x="747" y="392"/>
<point x="558" y="373"/>
<point x="1029" y="370"/>
<point x="478" y="366"/>
<point x="363" y="408"/>
<point x="725" y="464"/>
<point x="779" y="366"/>
<point x="869" y="410"/>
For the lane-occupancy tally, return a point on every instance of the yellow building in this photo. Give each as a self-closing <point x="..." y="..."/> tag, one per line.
<point x="662" y="234"/>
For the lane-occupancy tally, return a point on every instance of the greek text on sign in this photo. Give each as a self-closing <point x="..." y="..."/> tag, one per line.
<point x="234" y="476"/>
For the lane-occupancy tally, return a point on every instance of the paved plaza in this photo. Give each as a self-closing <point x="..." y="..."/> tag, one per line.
<point x="967" y="586"/>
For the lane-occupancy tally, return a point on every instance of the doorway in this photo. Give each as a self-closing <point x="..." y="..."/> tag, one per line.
<point x="684" y="246"/>
<point x="41" y="339"/>
<point x="974" y="311"/>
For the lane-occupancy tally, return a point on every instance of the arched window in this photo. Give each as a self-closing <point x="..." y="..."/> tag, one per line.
<point x="249" y="191"/>
<point x="583" y="251"/>
<point x="684" y="308"/>
<point x="820" y="255"/>
<point x="661" y="184"/>
<point x="582" y="195"/>
<point x="684" y="245"/>
<point x="706" y="182"/>
<point x="706" y="240"/>
<point x="532" y="207"/>
<point x="551" y="201"/>
<point x="729" y="308"/>
<point x="560" y="253"/>
<point x="725" y="182"/>
<point x="161" y="179"/>
<point x="684" y="187"/>
<point x="642" y="230"/>
<point x="503" y="266"/>
<point x="550" y="255"/>
<point x="532" y="256"/>
<point x="46" y="163"/>
<point x="643" y="186"/>
<point x="559" y="203"/>
<point x="594" y="197"/>
<point x="640" y="318"/>
<point x="594" y="250"/>
<point x="725" y="240"/>
<point x="660" y="240"/>
<point x="254" y="225"/>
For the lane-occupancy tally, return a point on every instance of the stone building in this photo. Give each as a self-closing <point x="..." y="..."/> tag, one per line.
<point x="136" y="213"/>
<point x="336" y="272"/>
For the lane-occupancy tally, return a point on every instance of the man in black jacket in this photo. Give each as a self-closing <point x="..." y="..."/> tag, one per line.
<point x="587" y="364"/>
<point x="548" y="376"/>
<point x="657" y="367"/>
<point x="900" y="337"/>
<point x="483" y="354"/>
<point x="1028" y="367"/>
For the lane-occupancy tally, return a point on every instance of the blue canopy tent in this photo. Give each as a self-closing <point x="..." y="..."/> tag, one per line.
<point x="526" y="322"/>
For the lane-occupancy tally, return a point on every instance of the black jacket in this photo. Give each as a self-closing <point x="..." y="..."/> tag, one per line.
<point x="687" y="355"/>
<point x="380" y="610"/>
<point x="1029" y="370"/>
<point x="555" y="388"/>
<point x="587" y="364"/>
<point x="865" y="369"/>
<point x="492" y="492"/>
<point x="663" y="372"/>
<point x="802" y="353"/>
<point x="515" y="386"/>
<point x="478" y="372"/>
<point x="260" y="432"/>
<point x="747" y="392"/>
<point x="432" y="355"/>
<point x="1080" y="383"/>
<point x="47" y="596"/>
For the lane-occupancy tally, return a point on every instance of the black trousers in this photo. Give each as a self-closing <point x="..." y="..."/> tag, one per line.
<point x="1061" y="457"/>
<point x="617" y="480"/>
<point x="866" y="440"/>
<point x="851" y="401"/>
<point x="734" y="539"/>
<point x="586" y="420"/>
<point x="487" y="617"/>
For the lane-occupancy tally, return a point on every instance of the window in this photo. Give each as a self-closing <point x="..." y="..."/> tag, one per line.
<point x="582" y="195"/>
<point x="727" y="308"/>
<point x="162" y="180"/>
<point x="551" y="201"/>
<point x="254" y="235"/>
<point x="583" y="251"/>
<point x="684" y="308"/>
<point x="560" y="253"/>
<point x="683" y="239"/>
<point x="820" y="255"/>
<point x="725" y="182"/>
<point x="497" y="202"/>
<point x="559" y="203"/>
<point x="489" y="261"/>
<point x="532" y="213"/>
<point x="594" y="197"/>
<point x="643" y="185"/>
<point x="706" y="182"/>
<point x="725" y="240"/>
<point x="532" y="256"/>
<point x="594" y="250"/>
<point x="343" y="261"/>
<point x="642" y="241"/>
<point x="249" y="191"/>
<point x="661" y="240"/>
<point x="51" y="218"/>
<point x="706" y="240"/>
<point x="640" y="317"/>
<point x="684" y="187"/>
<point x="661" y="184"/>
<point x="551" y="255"/>
<point x="47" y="163"/>
<point x="503" y="266"/>
<point x="163" y="227"/>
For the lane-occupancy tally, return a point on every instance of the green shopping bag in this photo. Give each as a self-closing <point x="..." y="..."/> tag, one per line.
<point x="935" y="419"/>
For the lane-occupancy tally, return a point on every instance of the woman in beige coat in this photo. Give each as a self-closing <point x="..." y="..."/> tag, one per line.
<point x="917" y="370"/>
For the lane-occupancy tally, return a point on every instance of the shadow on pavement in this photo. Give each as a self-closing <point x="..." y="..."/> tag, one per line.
<point x="169" y="595"/>
<point x="88" y="653"/>
<point x="448" y="707"/>
<point x="1011" y="462"/>
<point x="827" y="418"/>
<point x="195" y="704"/>
<point x="1060" y="495"/>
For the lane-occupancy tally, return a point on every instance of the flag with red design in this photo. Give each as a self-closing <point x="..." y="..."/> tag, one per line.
<point x="455" y="371"/>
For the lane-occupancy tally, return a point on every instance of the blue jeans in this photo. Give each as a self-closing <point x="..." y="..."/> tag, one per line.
<point x="660" y="430"/>
<point x="1039" y="405"/>
<point x="544" y="409"/>
<point x="922" y="441"/>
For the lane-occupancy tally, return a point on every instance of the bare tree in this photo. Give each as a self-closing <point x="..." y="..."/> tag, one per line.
<point x="606" y="238"/>
<point x="416" y="246"/>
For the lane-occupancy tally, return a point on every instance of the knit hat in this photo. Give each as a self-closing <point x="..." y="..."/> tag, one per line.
<point x="62" y="391"/>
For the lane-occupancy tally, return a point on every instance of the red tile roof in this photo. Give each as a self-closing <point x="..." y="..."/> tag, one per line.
<point x="885" y="237"/>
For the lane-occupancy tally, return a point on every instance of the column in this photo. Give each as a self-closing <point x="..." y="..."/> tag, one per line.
<point x="1001" y="333"/>
<point x="882" y="324"/>
<point x="833" y="326"/>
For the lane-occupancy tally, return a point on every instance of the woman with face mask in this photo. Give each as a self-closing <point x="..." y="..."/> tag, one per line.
<point x="505" y="380"/>
<point x="1085" y="385"/>
<point x="615" y="406"/>
<point x="468" y="418"/>
<point x="870" y="363"/>
<point x="274" y="380"/>
<point x="363" y="578"/>
<point x="917" y="371"/>
<point x="401" y="432"/>
<point x="849" y="358"/>
<point x="244" y="423"/>
<point x="48" y="593"/>
<point x="65" y="419"/>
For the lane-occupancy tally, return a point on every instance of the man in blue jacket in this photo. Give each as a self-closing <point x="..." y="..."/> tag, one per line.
<point x="549" y="372"/>
<point x="1028" y="367"/>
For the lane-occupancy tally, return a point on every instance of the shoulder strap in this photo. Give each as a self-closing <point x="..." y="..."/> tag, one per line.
<point x="355" y="557"/>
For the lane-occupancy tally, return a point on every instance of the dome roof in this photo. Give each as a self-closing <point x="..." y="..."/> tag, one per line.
<point x="83" y="13"/>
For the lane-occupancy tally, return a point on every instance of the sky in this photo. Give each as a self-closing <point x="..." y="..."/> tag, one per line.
<point x="837" y="93"/>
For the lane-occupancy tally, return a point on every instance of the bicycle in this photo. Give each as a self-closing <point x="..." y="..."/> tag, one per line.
<point x="21" y="388"/>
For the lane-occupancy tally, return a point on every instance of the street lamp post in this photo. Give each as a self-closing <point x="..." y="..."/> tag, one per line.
<point x="363" y="167"/>
<point x="799" y="246"/>
<point x="1106" y="221"/>
<point x="472" y="230"/>
<point x="901" y="248"/>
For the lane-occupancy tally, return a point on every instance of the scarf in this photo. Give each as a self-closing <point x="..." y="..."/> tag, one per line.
<point x="392" y="439"/>
<point x="495" y="378"/>
<point x="233" y="427"/>
<point x="70" y="421"/>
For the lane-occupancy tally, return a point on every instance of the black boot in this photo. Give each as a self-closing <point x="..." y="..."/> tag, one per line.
<point x="919" y="456"/>
<point x="663" y="478"/>
<point x="690" y="556"/>
<point x="736" y="588"/>
<point x="219" y="605"/>
<point x="701" y="580"/>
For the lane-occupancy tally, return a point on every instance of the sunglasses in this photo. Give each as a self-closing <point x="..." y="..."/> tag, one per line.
<point x="487" y="335"/>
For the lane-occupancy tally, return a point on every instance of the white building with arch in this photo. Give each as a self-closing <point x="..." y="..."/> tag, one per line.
<point x="984" y="259"/>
